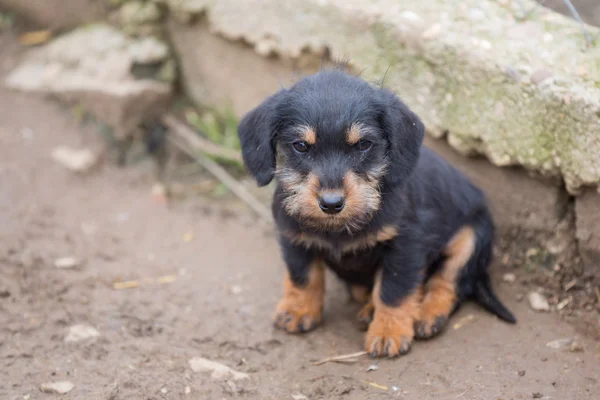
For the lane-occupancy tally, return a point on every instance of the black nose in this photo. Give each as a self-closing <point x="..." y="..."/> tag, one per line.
<point x="331" y="203"/>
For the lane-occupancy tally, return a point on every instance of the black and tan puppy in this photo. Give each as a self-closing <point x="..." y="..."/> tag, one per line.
<point x="356" y="192"/>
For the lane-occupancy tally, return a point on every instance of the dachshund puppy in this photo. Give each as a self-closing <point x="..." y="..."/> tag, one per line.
<point x="357" y="193"/>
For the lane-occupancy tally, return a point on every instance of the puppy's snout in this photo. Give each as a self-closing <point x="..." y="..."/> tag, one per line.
<point x="332" y="203"/>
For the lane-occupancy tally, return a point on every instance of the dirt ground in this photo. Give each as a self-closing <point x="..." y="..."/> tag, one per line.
<point x="225" y="279"/>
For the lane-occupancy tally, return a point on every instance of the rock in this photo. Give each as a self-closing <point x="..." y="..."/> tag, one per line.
<point x="218" y="371"/>
<point x="509" y="277"/>
<point x="62" y="387"/>
<point x="76" y="160"/>
<point x="58" y="13"/>
<point x="80" y="332"/>
<point x="576" y="347"/>
<point x="538" y="302"/>
<point x="92" y="67"/>
<point x="517" y="199"/>
<point x="587" y="213"/>
<point x="187" y="390"/>
<point x="570" y="344"/>
<point x="520" y="297"/>
<point x="563" y="237"/>
<point x="139" y="13"/>
<point x="148" y="50"/>
<point x="67" y="262"/>
<point x="236" y="289"/>
<point x="563" y="304"/>
<point x="299" y="396"/>
<point x="546" y="136"/>
<point x="541" y="75"/>
<point x="560" y="343"/>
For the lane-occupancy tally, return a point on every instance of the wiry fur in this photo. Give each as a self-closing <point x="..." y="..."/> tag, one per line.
<point x="409" y="218"/>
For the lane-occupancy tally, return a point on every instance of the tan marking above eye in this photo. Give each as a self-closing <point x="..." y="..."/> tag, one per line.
<point x="308" y="134"/>
<point x="354" y="133"/>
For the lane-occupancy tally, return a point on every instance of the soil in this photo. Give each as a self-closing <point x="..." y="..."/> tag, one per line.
<point x="224" y="279"/>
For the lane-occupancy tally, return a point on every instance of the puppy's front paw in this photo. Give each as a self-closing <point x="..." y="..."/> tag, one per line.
<point x="297" y="318"/>
<point x="389" y="334"/>
<point x="301" y="308"/>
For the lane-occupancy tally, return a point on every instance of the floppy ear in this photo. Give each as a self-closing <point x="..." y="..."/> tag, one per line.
<point x="257" y="137"/>
<point x="404" y="132"/>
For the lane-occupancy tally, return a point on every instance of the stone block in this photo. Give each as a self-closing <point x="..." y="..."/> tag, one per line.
<point x="516" y="198"/>
<point x="59" y="14"/>
<point x="587" y="212"/>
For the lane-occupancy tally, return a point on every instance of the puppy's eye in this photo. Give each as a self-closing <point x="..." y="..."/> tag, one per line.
<point x="300" y="146"/>
<point x="364" y="145"/>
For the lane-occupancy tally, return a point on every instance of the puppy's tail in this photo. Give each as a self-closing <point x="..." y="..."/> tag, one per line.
<point x="482" y="291"/>
<point x="485" y="296"/>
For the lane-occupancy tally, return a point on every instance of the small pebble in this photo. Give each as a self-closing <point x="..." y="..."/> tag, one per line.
<point x="236" y="289"/>
<point x="563" y="304"/>
<point x="541" y="75"/>
<point x="62" y="387"/>
<point x="538" y="302"/>
<point x="76" y="160"/>
<point x="218" y="371"/>
<point x="536" y="395"/>
<point x="509" y="278"/>
<point x="67" y="262"/>
<point x="81" y="332"/>
<point x="520" y="297"/>
<point x="560" y="343"/>
<point x="576" y="347"/>
<point x="521" y="373"/>
<point x="187" y="390"/>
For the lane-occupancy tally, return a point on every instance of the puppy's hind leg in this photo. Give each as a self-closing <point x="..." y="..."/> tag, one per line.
<point x="440" y="291"/>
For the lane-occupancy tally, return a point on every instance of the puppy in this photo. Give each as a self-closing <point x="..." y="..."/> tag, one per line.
<point x="356" y="192"/>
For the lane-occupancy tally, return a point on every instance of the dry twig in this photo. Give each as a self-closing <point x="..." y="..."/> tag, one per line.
<point x="198" y="143"/>
<point x="339" y="358"/>
<point x="184" y="137"/>
<point x="465" y="392"/>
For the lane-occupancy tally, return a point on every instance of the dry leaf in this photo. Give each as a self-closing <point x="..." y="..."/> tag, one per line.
<point x="126" y="285"/>
<point x="378" y="386"/>
<point x="463" y="321"/>
<point x="167" y="279"/>
<point x="34" y="38"/>
<point x="188" y="237"/>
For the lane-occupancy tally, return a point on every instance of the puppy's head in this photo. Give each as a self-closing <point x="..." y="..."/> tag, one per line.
<point x="333" y="142"/>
